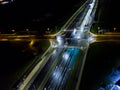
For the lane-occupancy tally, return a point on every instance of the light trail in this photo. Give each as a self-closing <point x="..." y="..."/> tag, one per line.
<point x="66" y="56"/>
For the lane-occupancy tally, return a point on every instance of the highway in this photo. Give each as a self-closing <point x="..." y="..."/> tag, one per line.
<point x="57" y="64"/>
<point x="59" y="76"/>
<point x="45" y="69"/>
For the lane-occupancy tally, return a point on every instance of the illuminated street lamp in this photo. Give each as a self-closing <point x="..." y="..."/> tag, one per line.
<point x="48" y="29"/>
<point x="27" y="30"/>
<point x="98" y="28"/>
<point x="114" y="28"/>
<point x="13" y="30"/>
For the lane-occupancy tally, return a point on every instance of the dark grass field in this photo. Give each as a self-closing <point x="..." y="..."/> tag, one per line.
<point x="37" y="15"/>
<point x="101" y="59"/>
<point x="108" y="15"/>
<point x="15" y="60"/>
